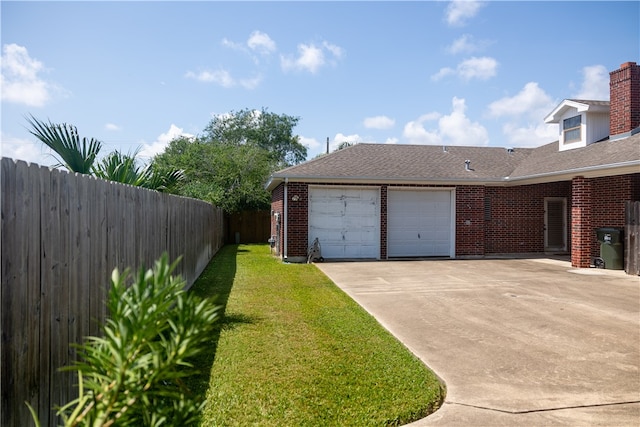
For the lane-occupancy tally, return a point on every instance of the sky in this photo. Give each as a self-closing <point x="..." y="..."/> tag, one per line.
<point x="135" y="75"/>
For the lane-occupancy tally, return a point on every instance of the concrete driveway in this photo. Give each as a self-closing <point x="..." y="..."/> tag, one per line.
<point x="517" y="341"/>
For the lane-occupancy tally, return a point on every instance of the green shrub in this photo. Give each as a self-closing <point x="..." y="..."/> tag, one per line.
<point x="133" y="374"/>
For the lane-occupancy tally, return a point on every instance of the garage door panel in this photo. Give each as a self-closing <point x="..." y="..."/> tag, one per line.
<point x="419" y="223"/>
<point x="345" y="221"/>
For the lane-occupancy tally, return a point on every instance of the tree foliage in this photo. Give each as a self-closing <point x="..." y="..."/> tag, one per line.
<point x="230" y="177"/>
<point x="124" y="168"/>
<point x="269" y="131"/>
<point x="231" y="161"/>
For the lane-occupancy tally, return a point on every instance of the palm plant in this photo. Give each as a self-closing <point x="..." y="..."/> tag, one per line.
<point x="123" y="168"/>
<point x="120" y="167"/>
<point x="165" y="181"/>
<point x="77" y="155"/>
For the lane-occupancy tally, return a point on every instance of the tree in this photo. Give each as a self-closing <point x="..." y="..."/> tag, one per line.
<point x="231" y="177"/>
<point x="77" y="155"/>
<point x="269" y="131"/>
<point x="229" y="164"/>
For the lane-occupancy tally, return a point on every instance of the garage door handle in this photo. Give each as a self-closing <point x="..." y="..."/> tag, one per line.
<point x="418" y="235"/>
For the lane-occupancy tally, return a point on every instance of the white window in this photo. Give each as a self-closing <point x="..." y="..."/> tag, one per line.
<point x="571" y="129"/>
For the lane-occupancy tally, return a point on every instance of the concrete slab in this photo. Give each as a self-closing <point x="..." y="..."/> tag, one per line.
<point x="516" y="341"/>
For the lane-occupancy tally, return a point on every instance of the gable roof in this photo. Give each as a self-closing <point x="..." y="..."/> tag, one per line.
<point x="580" y="105"/>
<point x="430" y="164"/>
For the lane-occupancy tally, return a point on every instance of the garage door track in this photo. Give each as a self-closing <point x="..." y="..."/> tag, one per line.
<point x="517" y="341"/>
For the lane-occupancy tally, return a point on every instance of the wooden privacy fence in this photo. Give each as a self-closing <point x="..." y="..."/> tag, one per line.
<point x="62" y="235"/>
<point x="632" y="238"/>
<point x="249" y="227"/>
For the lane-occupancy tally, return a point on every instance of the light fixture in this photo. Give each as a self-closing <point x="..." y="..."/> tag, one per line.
<point x="295" y="198"/>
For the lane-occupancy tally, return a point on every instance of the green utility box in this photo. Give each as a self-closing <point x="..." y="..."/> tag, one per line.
<point x="611" y="247"/>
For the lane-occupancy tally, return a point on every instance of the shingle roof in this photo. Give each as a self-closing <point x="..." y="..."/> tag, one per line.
<point x="547" y="159"/>
<point x="383" y="161"/>
<point x="429" y="163"/>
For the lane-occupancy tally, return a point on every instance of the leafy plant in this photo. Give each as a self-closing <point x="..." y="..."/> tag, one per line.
<point x="76" y="154"/>
<point x="133" y="375"/>
<point x="123" y="168"/>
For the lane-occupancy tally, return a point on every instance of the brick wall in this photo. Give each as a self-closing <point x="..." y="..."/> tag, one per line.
<point x="624" y="96"/>
<point x="609" y="195"/>
<point x="470" y="225"/>
<point x="514" y="216"/>
<point x="598" y="202"/>
<point x="581" y="222"/>
<point x="298" y="220"/>
<point x="492" y="220"/>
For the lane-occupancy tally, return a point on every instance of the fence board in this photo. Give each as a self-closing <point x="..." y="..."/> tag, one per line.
<point x="632" y="238"/>
<point x="62" y="234"/>
<point x="251" y="226"/>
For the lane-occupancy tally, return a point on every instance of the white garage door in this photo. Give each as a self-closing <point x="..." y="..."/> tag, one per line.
<point x="345" y="221"/>
<point x="419" y="223"/>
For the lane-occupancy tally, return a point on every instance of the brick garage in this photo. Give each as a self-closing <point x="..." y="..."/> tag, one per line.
<point x="493" y="220"/>
<point x="524" y="200"/>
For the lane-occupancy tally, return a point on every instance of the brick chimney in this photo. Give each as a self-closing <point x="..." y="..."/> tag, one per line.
<point x="624" y="86"/>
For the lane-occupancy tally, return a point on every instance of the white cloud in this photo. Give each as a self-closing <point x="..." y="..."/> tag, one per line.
<point x="379" y="122"/>
<point x="27" y="150"/>
<point x="525" y="111"/>
<point x="112" y="127"/>
<point x="531" y="101"/>
<point x="311" y="57"/>
<point x="335" y="50"/>
<point x="341" y="138"/>
<point x="460" y="11"/>
<point x="453" y="129"/>
<point x="479" y="68"/>
<point x="20" y="81"/>
<point x="442" y="73"/>
<point x="158" y="146"/>
<point x="261" y="43"/>
<point x="530" y="135"/>
<point x="595" y="83"/>
<point x="466" y="44"/>
<point x="220" y="77"/>
<point x="473" y="68"/>
<point x="223" y="78"/>
<point x="312" y="144"/>
<point x="232" y="45"/>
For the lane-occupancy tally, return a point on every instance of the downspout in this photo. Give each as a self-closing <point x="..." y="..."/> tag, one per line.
<point x="286" y="181"/>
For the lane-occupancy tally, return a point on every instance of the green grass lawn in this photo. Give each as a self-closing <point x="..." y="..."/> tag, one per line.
<point x="294" y="350"/>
